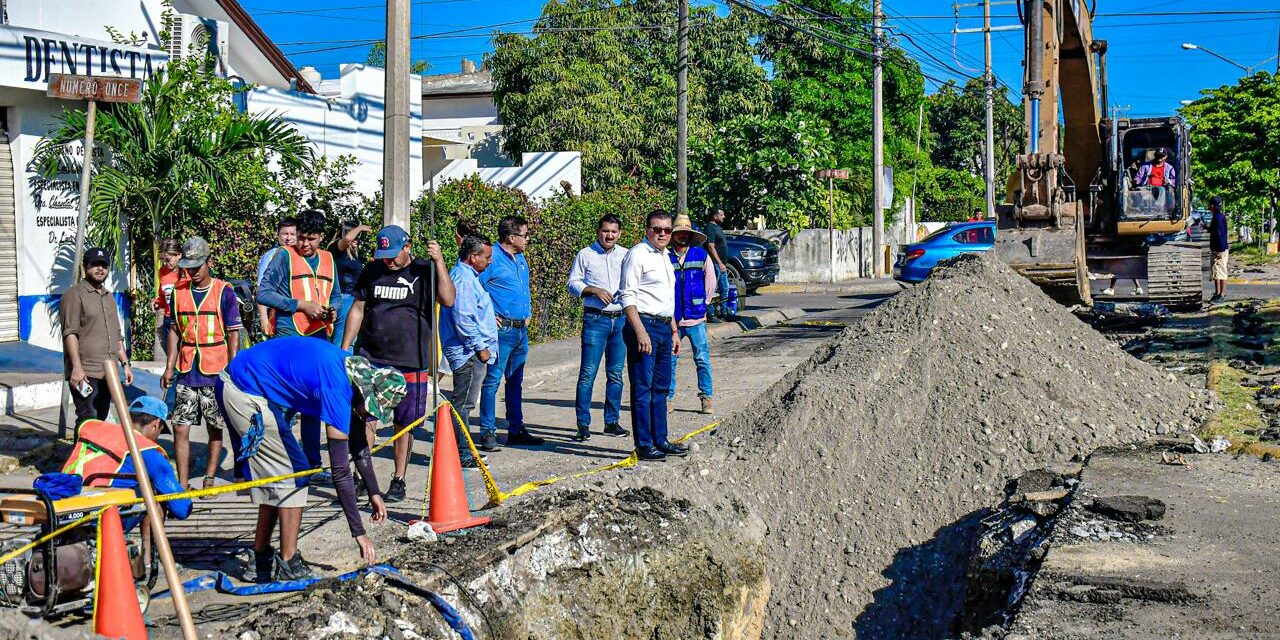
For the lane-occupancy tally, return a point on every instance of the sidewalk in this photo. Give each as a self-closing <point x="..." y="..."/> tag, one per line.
<point x="859" y="285"/>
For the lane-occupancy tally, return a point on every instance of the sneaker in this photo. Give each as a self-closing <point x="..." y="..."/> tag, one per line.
<point x="706" y="406"/>
<point x="1137" y="291"/>
<point x="395" y="491"/>
<point x="322" y="479"/>
<point x="1109" y="291"/>
<point x="614" y="429"/>
<point x="1215" y="299"/>
<point x="295" y="569"/>
<point x="263" y="562"/>
<point x="470" y="462"/>
<point x="583" y="434"/>
<point x="524" y="438"/>
<point x="488" y="442"/>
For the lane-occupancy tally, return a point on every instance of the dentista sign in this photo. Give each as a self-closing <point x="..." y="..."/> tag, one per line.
<point x="30" y="59"/>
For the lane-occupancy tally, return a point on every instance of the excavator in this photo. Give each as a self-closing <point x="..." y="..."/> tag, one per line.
<point x="1083" y="217"/>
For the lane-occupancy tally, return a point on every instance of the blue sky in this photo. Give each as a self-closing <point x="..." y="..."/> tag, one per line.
<point x="1148" y="70"/>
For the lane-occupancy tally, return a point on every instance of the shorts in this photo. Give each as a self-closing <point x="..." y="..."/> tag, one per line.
<point x="1220" y="265"/>
<point x="417" y="396"/>
<point x="194" y="403"/>
<point x="278" y="451"/>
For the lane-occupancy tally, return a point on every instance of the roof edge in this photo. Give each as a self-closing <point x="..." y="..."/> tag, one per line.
<point x="265" y="44"/>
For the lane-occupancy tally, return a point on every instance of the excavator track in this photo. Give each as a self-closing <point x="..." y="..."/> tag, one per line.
<point x="1175" y="275"/>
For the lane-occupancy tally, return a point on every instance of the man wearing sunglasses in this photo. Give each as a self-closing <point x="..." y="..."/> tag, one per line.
<point x="647" y="293"/>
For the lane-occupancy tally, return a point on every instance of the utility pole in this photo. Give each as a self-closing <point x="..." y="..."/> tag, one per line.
<point x="877" y="144"/>
<point x="682" y="110"/>
<point x="395" y="126"/>
<point x="989" y="88"/>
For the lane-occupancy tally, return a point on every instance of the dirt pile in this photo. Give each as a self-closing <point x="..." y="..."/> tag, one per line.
<point x="873" y="463"/>
<point x="17" y="626"/>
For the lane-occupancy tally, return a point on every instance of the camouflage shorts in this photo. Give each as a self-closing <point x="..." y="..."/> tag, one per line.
<point x="194" y="403"/>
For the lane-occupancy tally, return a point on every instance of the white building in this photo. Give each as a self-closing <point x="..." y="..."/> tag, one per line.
<point x="39" y="37"/>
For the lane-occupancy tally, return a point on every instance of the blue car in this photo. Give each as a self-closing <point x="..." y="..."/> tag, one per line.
<point x="915" y="261"/>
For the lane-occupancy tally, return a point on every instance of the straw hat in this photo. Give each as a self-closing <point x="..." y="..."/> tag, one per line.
<point x="684" y="224"/>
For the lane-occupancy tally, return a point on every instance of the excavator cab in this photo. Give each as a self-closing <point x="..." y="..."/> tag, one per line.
<point x="1142" y="196"/>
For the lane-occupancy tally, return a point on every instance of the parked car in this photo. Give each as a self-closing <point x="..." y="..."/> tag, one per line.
<point x="915" y="261"/>
<point x="752" y="262"/>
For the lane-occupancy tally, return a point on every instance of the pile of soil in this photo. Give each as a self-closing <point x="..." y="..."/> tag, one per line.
<point x="873" y="463"/>
<point x="17" y="626"/>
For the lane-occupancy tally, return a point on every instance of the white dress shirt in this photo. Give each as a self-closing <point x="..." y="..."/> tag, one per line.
<point x="648" y="281"/>
<point x="595" y="267"/>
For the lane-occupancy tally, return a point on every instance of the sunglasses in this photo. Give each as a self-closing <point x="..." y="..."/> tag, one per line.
<point x="661" y="230"/>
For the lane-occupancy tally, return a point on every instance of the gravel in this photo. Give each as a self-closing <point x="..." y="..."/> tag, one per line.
<point x="873" y="463"/>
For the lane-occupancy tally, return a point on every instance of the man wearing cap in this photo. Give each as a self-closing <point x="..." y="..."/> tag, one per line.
<point x="390" y="324"/>
<point x="594" y="277"/>
<point x="1157" y="175"/>
<point x="101" y="454"/>
<point x="205" y="336"/>
<point x="695" y="285"/>
<point x="91" y="338"/>
<point x="507" y="281"/>
<point x="647" y="293"/>
<point x="321" y="382"/>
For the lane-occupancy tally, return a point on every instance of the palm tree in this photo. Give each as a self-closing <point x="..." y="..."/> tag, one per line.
<point x="176" y="150"/>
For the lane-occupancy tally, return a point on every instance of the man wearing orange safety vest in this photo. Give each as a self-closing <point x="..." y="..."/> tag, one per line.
<point x="298" y="283"/>
<point x="204" y="337"/>
<point x="101" y="454"/>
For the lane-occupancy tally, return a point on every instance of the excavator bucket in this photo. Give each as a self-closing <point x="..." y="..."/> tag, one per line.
<point x="1052" y="258"/>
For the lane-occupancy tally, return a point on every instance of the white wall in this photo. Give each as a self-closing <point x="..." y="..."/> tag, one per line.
<point x="88" y="18"/>
<point x="539" y="175"/>
<point x="350" y="123"/>
<point x="442" y="112"/>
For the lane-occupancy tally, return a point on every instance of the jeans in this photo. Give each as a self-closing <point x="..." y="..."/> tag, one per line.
<point x="513" y="348"/>
<point x="697" y="335"/>
<point x="601" y="336"/>
<point x="650" y="378"/>
<point x="467" y="380"/>
<point x="341" y="302"/>
<point x="722" y="292"/>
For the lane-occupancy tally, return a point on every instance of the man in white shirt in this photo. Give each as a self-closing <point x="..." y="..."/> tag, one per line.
<point x="594" y="278"/>
<point x="647" y="293"/>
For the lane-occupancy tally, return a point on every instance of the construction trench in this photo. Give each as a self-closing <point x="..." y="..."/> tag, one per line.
<point x="908" y="481"/>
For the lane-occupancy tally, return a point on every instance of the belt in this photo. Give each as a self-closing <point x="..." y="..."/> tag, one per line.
<point x="601" y="312"/>
<point x="511" y="324"/>
<point x="655" y="317"/>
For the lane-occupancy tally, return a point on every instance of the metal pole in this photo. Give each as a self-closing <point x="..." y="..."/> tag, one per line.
<point x="877" y="144"/>
<point x="989" y="88"/>
<point x="435" y="313"/>
<point x="682" y="110"/>
<point x="915" y="171"/>
<point x="395" y="126"/>
<point x="154" y="515"/>
<point x="831" y="224"/>
<point x="82" y="221"/>
<point x="1035" y="72"/>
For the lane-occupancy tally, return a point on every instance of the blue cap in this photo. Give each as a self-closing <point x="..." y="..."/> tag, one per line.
<point x="150" y="406"/>
<point x="391" y="239"/>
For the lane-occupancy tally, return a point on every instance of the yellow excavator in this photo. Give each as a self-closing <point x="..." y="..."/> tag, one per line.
<point x="1098" y="206"/>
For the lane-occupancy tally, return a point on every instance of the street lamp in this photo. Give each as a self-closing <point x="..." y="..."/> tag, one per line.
<point x="1248" y="71"/>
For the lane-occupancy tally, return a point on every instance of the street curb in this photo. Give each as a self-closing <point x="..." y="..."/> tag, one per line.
<point x="863" y="285"/>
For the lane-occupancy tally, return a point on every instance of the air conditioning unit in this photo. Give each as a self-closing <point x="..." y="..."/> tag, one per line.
<point x="195" y="35"/>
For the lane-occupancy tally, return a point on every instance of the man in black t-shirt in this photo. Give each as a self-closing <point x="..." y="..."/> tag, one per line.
<point x="391" y="317"/>
<point x="717" y="247"/>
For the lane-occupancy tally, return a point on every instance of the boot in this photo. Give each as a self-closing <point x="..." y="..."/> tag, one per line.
<point x="706" y="405"/>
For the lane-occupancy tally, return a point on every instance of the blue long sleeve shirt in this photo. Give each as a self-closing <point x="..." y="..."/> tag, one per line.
<point x="469" y="326"/>
<point x="507" y="281"/>
<point x="164" y="480"/>
<point x="273" y="290"/>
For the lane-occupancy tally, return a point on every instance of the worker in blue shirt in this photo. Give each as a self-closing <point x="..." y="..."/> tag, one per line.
<point x="469" y="335"/>
<point x="507" y="281"/>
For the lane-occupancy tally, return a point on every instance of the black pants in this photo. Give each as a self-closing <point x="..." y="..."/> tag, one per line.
<point x="96" y="405"/>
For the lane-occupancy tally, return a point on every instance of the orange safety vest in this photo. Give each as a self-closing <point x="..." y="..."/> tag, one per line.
<point x="312" y="286"/>
<point x="201" y="329"/>
<point x="100" y="450"/>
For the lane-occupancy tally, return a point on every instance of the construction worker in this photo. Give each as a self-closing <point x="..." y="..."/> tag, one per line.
<point x="205" y="336"/>
<point x="318" y="380"/>
<point x="695" y="286"/>
<point x="1159" y="176"/>
<point x="101" y="454"/>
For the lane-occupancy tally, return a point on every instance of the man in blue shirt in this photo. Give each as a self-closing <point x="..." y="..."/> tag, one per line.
<point x="321" y="382"/>
<point x="1220" y="246"/>
<point x="507" y="281"/>
<point x="469" y="335"/>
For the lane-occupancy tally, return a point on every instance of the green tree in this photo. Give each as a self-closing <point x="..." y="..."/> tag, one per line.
<point x="378" y="58"/>
<point x="1235" y="137"/>
<point x="956" y="134"/>
<point x="832" y="87"/>
<point x="599" y="78"/>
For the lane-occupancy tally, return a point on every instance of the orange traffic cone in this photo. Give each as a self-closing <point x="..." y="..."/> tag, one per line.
<point x="116" y="612"/>
<point x="449" y="510"/>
